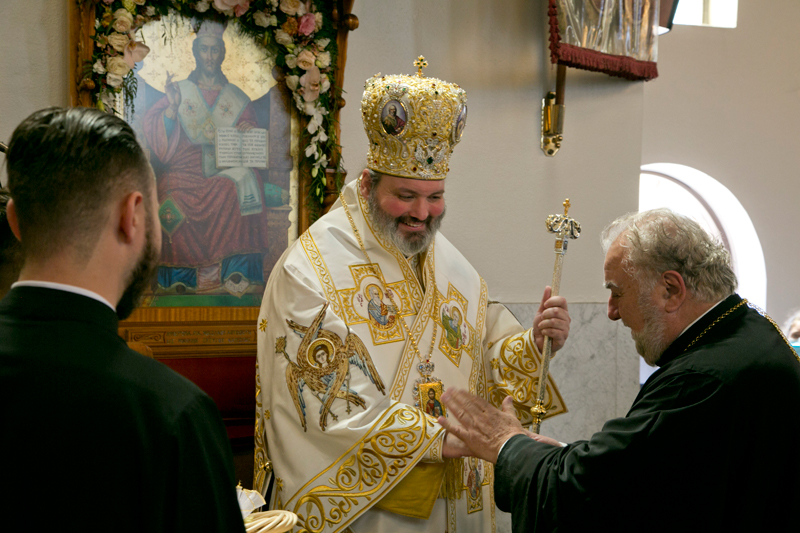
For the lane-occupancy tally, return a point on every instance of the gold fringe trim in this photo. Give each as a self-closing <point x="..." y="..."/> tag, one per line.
<point x="453" y="483"/>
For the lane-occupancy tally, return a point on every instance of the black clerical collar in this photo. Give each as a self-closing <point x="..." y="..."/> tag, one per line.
<point x="692" y="336"/>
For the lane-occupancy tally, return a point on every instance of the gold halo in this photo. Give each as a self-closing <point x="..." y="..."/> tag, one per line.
<point x="313" y="348"/>
<point x="246" y="65"/>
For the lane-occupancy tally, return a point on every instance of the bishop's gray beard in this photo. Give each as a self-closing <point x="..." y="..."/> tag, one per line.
<point x="388" y="226"/>
<point x="651" y="341"/>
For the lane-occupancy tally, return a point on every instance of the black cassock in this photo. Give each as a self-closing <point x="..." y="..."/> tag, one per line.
<point x="711" y="443"/>
<point x="96" y="437"/>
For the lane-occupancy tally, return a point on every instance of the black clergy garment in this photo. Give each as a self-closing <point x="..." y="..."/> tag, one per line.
<point x="97" y="437"/>
<point x="711" y="443"/>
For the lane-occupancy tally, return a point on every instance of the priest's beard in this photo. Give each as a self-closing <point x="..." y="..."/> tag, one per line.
<point x="408" y="245"/>
<point x="140" y="276"/>
<point x="651" y="341"/>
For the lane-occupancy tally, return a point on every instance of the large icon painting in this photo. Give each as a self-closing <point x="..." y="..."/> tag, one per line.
<point x="217" y="129"/>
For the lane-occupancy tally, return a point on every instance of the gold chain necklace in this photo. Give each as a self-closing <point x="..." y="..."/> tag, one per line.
<point x="719" y="318"/>
<point x="425" y="367"/>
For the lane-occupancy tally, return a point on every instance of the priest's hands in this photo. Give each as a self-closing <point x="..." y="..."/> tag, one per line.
<point x="552" y="319"/>
<point x="483" y="429"/>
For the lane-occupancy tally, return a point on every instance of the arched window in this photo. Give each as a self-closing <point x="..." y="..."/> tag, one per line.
<point x="695" y="194"/>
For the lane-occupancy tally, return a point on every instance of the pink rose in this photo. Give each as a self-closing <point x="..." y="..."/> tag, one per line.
<point x="242" y="8"/>
<point x="305" y="60"/>
<point x="239" y="7"/>
<point x="307" y="24"/>
<point x="310" y="83"/>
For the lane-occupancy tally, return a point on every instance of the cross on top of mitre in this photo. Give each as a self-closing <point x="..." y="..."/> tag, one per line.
<point x="420" y="63"/>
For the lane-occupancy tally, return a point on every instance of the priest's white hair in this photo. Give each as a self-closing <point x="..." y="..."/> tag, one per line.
<point x="660" y="240"/>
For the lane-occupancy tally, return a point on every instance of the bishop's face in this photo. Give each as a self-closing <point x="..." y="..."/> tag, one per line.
<point x="209" y="55"/>
<point x="406" y="210"/>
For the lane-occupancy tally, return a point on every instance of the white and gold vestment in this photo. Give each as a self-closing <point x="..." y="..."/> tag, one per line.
<point x="338" y="416"/>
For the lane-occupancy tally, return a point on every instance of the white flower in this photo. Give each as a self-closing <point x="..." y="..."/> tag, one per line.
<point x="118" y="41"/>
<point x="113" y="80"/>
<point x="324" y="85"/>
<point x="322" y="161"/>
<point x="291" y="60"/>
<point x="202" y="6"/>
<point x="98" y="67"/>
<point x="299" y="103"/>
<point x="291" y="7"/>
<point x="123" y="20"/>
<point x="322" y="43"/>
<point x="316" y="113"/>
<point x="311" y="149"/>
<point x="117" y="65"/>
<point x="281" y="37"/>
<point x="292" y="81"/>
<point x="261" y="19"/>
<point x="150" y="11"/>
<point x="273" y="21"/>
<point x="323" y="59"/>
<point x="321" y="136"/>
<point x="317" y="21"/>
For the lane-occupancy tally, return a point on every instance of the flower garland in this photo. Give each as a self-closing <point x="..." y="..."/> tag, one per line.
<point x="298" y="33"/>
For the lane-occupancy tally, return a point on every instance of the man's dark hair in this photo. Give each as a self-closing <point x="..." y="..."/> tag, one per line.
<point x="9" y="248"/>
<point x="65" y="167"/>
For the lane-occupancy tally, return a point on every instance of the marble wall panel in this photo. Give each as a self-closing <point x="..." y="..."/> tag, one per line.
<point x="596" y="372"/>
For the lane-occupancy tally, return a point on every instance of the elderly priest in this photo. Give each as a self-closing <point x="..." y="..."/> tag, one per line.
<point x="711" y="441"/>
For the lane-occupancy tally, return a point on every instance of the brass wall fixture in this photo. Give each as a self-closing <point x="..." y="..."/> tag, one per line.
<point x="553" y="109"/>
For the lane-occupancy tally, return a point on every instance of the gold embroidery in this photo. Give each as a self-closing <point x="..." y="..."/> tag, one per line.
<point x="419" y="326"/>
<point x="367" y="303"/>
<point x="263" y="325"/>
<point x="490" y="479"/>
<point x="262" y="466"/>
<point x="473" y="479"/>
<point x="451" y="515"/>
<point x="457" y="333"/>
<point x="366" y="471"/>
<point x="519" y="378"/>
<point x="317" y="261"/>
<point x="477" y="378"/>
<point x="323" y="364"/>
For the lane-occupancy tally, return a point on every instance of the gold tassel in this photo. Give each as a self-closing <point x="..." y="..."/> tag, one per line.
<point x="453" y="482"/>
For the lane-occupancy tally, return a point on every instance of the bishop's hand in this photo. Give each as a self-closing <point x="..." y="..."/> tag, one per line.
<point x="551" y="319"/>
<point x="173" y="93"/>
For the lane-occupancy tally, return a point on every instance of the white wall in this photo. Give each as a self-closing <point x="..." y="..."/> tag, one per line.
<point x="33" y="61"/>
<point x="501" y="186"/>
<point x="727" y="102"/>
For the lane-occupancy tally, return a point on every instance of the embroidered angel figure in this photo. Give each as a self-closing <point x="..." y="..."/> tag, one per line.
<point x="323" y="364"/>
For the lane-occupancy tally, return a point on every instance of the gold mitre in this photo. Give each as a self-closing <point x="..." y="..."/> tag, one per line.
<point x="412" y="123"/>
